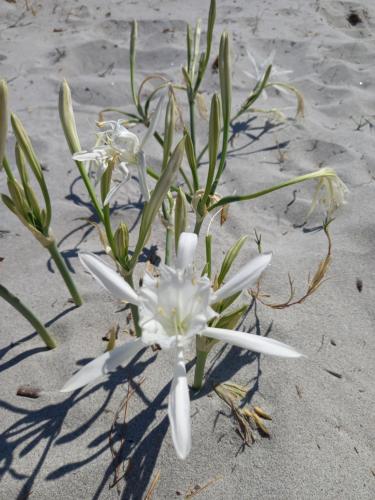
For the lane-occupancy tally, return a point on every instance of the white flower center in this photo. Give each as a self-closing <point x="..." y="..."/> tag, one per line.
<point x="174" y="307"/>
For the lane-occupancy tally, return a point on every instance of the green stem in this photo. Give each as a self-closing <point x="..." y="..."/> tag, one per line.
<point x="134" y="308"/>
<point x="28" y="315"/>
<point x="107" y="226"/>
<point x="234" y="117"/>
<point x="223" y="157"/>
<point x="169" y="243"/>
<point x="192" y="119"/>
<point x="59" y="261"/>
<point x="90" y="189"/>
<point x="198" y="225"/>
<point x="199" y="369"/>
<point x="234" y="198"/>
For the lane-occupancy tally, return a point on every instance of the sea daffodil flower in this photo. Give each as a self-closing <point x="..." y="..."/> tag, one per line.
<point x="330" y="192"/>
<point x="260" y="68"/>
<point x="119" y="149"/>
<point x="174" y="308"/>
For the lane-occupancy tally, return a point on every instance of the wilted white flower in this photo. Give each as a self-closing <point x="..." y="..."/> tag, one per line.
<point x="330" y="191"/>
<point x="258" y="70"/>
<point x="118" y="148"/>
<point x="174" y="308"/>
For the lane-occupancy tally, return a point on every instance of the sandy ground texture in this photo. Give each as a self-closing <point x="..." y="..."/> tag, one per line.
<point x="322" y="443"/>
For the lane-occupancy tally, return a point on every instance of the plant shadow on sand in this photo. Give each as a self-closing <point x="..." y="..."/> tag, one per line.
<point x="140" y="437"/>
<point x="243" y="129"/>
<point x="25" y="354"/>
<point x="254" y="134"/>
<point x="44" y="425"/>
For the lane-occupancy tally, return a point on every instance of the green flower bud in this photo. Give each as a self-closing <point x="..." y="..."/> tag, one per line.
<point x="67" y="118"/>
<point x="121" y="241"/>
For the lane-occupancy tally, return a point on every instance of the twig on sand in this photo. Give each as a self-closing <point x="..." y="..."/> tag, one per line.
<point x="153" y="485"/>
<point x="196" y="490"/>
<point x="120" y="470"/>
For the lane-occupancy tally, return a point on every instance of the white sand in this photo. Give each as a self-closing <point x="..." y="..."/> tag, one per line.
<point x="322" y="443"/>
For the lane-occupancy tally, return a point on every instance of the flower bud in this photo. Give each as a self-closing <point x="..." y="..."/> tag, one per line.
<point x="189" y="150"/>
<point x="18" y="197"/>
<point x="170" y="122"/>
<point x="225" y="76"/>
<point x="67" y="118"/>
<point x="24" y="141"/>
<point x="121" y="241"/>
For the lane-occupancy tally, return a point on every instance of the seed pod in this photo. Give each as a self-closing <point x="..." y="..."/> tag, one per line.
<point x="262" y="413"/>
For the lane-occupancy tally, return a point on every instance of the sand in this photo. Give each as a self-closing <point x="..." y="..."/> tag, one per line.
<point x="322" y="443"/>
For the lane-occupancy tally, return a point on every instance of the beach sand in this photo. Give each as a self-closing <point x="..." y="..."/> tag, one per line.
<point x="323" y="427"/>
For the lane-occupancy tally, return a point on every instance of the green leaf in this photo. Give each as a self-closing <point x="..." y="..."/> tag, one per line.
<point x="224" y="304"/>
<point x="181" y="216"/>
<point x="28" y="150"/>
<point x="229" y="258"/>
<point x="231" y="319"/>
<point x="158" y="195"/>
<point x="132" y="51"/>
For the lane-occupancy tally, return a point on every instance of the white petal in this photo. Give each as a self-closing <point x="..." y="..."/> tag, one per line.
<point x="250" y="75"/>
<point x="102" y="167"/>
<point x="254" y="64"/>
<point x="252" y="342"/>
<point x="269" y="59"/>
<point x="153" y="122"/>
<point x="108" y="278"/>
<point x="187" y="244"/>
<point x="86" y="156"/>
<point x="113" y="191"/>
<point x="142" y="176"/>
<point x="179" y="410"/>
<point x="125" y="177"/>
<point x="245" y="278"/>
<point x="103" y="364"/>
<point x="97" y="153"/>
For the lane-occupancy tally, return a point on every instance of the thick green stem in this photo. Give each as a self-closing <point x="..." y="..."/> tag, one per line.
<point x="29" y="316"/>
<point x="199" y="369"/>
<point x="169" y="244"/>
<point x="192" y="119"/>
<point x="198" y="225"/>
<point x="234" y="117"/>
<point x="59" y="261"/>
<point x="134" y="308"/>
<point x="108" y="227"/>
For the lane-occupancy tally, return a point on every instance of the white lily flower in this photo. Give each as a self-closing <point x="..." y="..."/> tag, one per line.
<point x="173" y="309"/>
<point x="260" y="68"/>
<point x="118" y="148"/>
